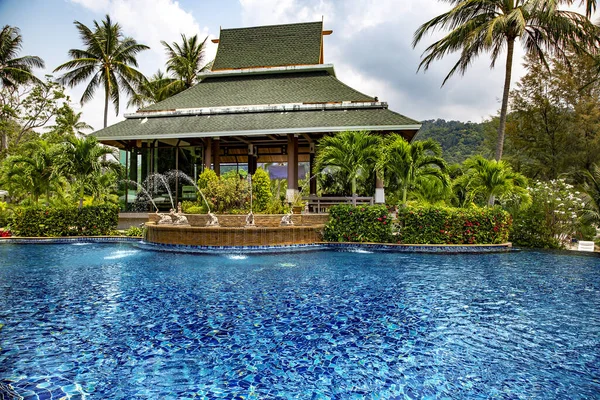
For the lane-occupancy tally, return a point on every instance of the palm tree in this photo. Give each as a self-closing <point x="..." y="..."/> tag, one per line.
<point x="36" y="173"/>
<point x="353" y="154"/>
<point x="108" y="59"/>
<point x="405" y="165"/>
<point x="152" y="91"/>
<point x="479" y="26"/>
<point x="83" y="159"/>
<point x="493" y="179"/>
<point x="591" y="188"/>
<point x="185" y="62"/>
<point x="15" y="70"/>
<point x="68" y="123"/>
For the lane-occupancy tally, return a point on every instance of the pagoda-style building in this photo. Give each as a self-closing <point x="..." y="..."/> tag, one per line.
<point x="269" y="98"/>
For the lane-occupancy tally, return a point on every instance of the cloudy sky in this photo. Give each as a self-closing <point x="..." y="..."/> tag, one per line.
<point x="370" y="46"/>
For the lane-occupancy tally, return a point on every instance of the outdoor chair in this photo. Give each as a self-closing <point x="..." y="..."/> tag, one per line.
<point x="585" y="246"/>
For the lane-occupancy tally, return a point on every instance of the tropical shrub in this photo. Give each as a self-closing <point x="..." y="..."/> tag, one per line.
<point x="552" y="219"/>
<point x="5" y="214"/>
<point x="193" y="207"/>
<point x="134" y="231"/>
<point x="349" y="223"/>
<point x="447" y="225"/>
<point x="5" y="233"/>
<point x="228" y="193"/>
<point x="261" y="190"/>
<point x="65" y="221"/>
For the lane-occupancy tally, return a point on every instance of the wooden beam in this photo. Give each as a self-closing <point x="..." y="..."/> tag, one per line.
<point x="241" y="139"/>
<point x="307" y="137"/>
<point x="215" y="40"/>
<point x="327" y="32"/>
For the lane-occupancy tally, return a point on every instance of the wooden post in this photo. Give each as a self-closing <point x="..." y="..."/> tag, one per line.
<point x="312" y="173"/>
<point x="207" y="153"/>
<point x="379" y="190"/>
<point x="292" y="169"/>
<point x="126" y="177"/>
<point x="217" y="156"/>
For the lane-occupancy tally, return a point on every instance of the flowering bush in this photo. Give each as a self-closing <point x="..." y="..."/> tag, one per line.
<point x="5" y="233"/>
<point x="552" y="219"/>
<point x="358" y="224"/>
<point x="448" y="225"/>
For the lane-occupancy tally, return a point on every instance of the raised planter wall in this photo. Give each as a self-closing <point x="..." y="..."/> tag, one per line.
<point x="260" y="220"/>
<point x="232" y="236"/>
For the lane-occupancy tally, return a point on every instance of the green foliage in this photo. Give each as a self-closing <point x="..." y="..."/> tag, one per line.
<point x="193" y="207"/>
<point x="447" y="225"/>
<point x="358" y="224"/>
<point x="65" y="221"/>
<point x="411" y="166"/>
<point x="134" y="231"/>
<point x="459" y="140"/>
<point x="228" y="193"/>
<point x="351" y="156"/>
<point x="261" y="190"/>
<point x="552" y="219"/>
<point x="6" y="214"/>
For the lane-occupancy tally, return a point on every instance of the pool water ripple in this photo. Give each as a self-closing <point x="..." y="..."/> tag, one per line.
<point x="112" y="321"/>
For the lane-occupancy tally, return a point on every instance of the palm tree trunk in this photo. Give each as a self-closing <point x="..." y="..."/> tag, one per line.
<point x="81" y="197"/>
<point x="504" y="107"/>
<point x="404" y="195"/>
<point x="354" y="190"/>
<point x="106" y="109"/>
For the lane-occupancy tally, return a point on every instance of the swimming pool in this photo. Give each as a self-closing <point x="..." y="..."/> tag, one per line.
<point x="115" y="321"/>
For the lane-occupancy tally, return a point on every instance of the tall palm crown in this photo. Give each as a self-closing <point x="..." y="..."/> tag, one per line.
<point x="15" y="70"/>
<point x="185" y="62"/>
<point x="151" y="91"/>
<point x="352" y="153"/>
<point x="478" y="26"/>
<point x="405" y="165"/>
<point x="591" y="187"/>
<point x="108" y="59"/>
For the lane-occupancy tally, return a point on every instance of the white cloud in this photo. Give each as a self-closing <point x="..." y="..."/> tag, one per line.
<point x="149" y="22"/>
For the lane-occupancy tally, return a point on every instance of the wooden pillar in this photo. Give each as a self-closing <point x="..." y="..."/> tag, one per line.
<point x="312" y="173"/>
<point x="292" y="169"/>
<point x="208" y="153"/>
<point x="252" y="159"/>
<point x="379" y="190"/>
<point x="126" y="177"/>
<point x="217" y="156"/>
<point x="177" y="173"/>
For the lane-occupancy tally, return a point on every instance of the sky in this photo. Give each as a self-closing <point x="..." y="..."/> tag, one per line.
<point x="370" y="46"/>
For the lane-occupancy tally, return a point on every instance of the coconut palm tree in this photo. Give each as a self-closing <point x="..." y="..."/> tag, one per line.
<point x="480" y="26"/>
<point x="351" y="153"/>
<point x="405" y="165"/>
<point x="15" y="70"/>
<point x="83" y="159"/>
<point x="36" y="173"/>
<point x="108" y="61"/>
<point x="152" y="91"/>
<point x="492" y="179"/>
<point x="185" y="62"/>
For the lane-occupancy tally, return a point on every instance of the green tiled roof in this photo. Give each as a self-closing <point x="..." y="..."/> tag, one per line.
<point x="256" y="123"/>
<point x="306" y="87"/>
<point x="265" y="46"/>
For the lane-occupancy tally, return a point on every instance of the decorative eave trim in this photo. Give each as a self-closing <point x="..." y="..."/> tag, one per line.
<point x="266" y="108"/>
<point x="262" y="132"/>
<point x="267" y="70"/>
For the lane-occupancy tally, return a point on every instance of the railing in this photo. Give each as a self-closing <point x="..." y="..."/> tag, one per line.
<point x="322" y="204"/>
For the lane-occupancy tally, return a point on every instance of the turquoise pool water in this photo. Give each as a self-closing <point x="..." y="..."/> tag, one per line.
<point x="114" y="321"/>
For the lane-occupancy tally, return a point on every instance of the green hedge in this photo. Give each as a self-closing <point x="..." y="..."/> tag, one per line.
<point x="445" y="225"/>
<point x="358" y="224"/>
<point x="65" y="221"/>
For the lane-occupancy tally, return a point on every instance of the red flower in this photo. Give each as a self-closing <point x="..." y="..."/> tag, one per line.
<point x="379" y="219"/>
<point x="384" y="222"/>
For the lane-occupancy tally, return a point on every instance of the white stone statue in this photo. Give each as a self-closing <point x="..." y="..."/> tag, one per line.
<point x="165" y="219"/>
<point x="286" y="220"/>
<point x="212" y="220"/>
<point x="250" y="219"/>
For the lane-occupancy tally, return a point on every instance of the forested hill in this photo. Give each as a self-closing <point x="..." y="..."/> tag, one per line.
<point x="459" y="140"/>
